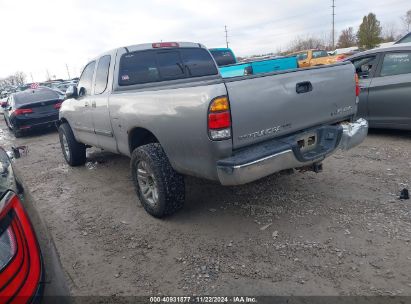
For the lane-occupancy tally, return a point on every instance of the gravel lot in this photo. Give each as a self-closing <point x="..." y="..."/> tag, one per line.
<point x="341" y="232"/>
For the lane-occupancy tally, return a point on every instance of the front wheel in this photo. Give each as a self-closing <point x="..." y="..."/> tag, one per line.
<point x="159" y="187"/>
<point x="74" y="152"/>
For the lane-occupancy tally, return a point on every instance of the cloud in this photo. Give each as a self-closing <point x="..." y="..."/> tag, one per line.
<point x="43" y="35"/>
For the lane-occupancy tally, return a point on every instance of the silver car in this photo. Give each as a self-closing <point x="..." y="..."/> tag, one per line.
<point x="385" y="82"/>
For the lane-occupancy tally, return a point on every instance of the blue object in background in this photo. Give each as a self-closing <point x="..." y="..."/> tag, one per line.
<point x="259" y="67"/>
<point x="228" y="66"/>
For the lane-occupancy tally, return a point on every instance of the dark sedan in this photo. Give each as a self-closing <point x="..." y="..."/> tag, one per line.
<point x="29" y="266"/>
<point x="385" y="81"/>
<point x="31" y="109"/>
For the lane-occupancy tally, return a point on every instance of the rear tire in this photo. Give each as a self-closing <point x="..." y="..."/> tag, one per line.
<point x="159" y="187"/>
<point x="17" y="133"/>
<point x="74" y="152"/>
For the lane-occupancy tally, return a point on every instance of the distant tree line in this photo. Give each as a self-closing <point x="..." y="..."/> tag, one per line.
<point x="370" y="33"/>
<point x="17" y="79"/>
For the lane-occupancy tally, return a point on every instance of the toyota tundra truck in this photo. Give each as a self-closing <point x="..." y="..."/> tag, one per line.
<point x="166" y="106"/>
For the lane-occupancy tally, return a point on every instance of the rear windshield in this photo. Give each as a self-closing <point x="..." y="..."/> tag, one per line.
<point x="223" y="57"/>
<point x="164" y="64"/>
<point x="38" y="95"/>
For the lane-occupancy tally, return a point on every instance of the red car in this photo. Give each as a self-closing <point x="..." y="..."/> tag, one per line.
<point x="22" y="264"/>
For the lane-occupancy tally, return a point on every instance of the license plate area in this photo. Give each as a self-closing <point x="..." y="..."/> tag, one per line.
<point x="307" y="142"/>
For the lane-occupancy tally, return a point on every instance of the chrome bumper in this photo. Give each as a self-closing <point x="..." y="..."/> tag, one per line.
<point x="352" y="135"/>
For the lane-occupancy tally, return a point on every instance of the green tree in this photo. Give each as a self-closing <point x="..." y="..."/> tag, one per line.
<point x="369" y="33"/>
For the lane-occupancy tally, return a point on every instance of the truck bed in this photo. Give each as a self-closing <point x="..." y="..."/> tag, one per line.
<point x="272" y="105"/>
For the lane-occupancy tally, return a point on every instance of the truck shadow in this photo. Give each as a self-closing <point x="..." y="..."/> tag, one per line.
<point x="267" y="197"/>
<point x="401" y="134"/>
<point x="37" y="132"/>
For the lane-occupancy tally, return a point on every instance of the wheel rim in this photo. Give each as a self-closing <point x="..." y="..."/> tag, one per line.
<point x="147" y="183"/>
<point x="66" y="147"/>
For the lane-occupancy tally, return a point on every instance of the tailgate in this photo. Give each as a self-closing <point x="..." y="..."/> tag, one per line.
<point x="268" y="106"/>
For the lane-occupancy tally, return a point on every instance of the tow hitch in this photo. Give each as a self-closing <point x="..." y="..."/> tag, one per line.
<point x="315" y="167"/>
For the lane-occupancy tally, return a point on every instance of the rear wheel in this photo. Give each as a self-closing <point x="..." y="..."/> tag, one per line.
<point x="159" y="187"/>
<point x="17" y="133"/>
<point x="74" y="152"/>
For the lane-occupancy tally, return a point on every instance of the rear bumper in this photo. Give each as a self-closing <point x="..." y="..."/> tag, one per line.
<point x="26" y="122"/>
<point x="265" y="159"/>
<point x="353" y="134"/>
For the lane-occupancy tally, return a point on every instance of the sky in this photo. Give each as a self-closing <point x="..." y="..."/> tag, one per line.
<point x="42" y="37"/>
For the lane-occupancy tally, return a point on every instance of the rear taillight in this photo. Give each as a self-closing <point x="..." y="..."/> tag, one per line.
<point x="20" y="261"/>
<point x="7" y="247"/>
<point x="219" y="119"/>
<point x="22" y="111"/>
<point x="357" y="85"/>
<point x="164" y="45"/>
<point x="57" y="105"/>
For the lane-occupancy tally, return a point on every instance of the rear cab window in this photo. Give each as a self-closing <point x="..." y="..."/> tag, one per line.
<point x="158" y="65"/>
<point x="102" y="71"/>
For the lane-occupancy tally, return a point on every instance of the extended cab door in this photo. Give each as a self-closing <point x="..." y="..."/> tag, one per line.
<point x="390" y="91"/>
<point x="100" y="107"/>
<point x="83" y="122"/>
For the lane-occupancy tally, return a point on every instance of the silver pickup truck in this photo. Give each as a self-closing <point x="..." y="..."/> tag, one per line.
<point x="166" y="106"/>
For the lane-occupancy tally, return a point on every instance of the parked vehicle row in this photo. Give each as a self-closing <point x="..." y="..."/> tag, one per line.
<point x="166" y="106"/>
<point x="309" y="58"/>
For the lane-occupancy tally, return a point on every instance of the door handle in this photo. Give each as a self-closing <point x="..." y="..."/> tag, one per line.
<point x="93" y="104"/>
<point x="303" y="87"/>
<point x="86" y="104"/>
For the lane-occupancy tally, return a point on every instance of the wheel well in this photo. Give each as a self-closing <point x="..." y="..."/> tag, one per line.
<point x="138" y="137"/>
<point x="61" y="121"/>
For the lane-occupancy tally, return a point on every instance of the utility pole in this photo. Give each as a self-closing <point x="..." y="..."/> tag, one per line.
<point x="333" y="15"/>
<point x="68" y="71"/>
<point x="48" y="75"/>
<point x="31" y="74"/>
<point x="226" y="35"/>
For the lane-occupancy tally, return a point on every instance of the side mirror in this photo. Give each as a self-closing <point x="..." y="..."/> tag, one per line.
<point x="71" y="92"/>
